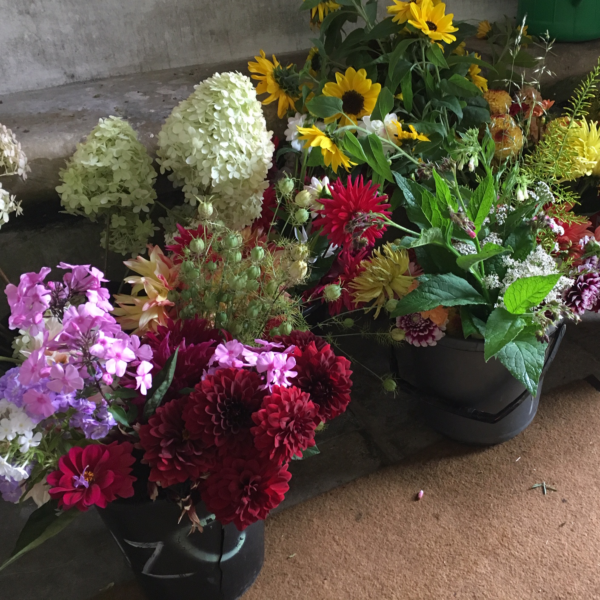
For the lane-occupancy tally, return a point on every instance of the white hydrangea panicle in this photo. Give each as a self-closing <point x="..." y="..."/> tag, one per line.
<point x="8" y="205"/>
<point x="216" y="143"/>
<point x="12" y="158"/>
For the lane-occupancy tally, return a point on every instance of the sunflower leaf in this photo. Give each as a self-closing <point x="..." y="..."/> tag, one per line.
<point x="385" y="105"/>
<point x="323" y="107"/>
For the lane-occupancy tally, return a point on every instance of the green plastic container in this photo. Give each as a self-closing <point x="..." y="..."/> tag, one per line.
<point x="566" y="20"/>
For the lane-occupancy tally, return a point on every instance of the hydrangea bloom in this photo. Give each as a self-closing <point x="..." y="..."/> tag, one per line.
<point x="216" y="142"/>
<point x="12" y="158"/>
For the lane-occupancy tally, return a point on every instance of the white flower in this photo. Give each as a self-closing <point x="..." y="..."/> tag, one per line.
<point x="317" y="187"/>
<point x="375" y="126"/>
<point x="216" y="143"/>
<point x="385" y="129"/>
<point x="7" y="430"/>
<point x="464" y="248"/>
<point x="29" y="440"/>
<point x="39" y="493"/>
<point x="8" y="205"/>
<point x="493" y="238"/>
<point x="492" y="282"/>
<point x="291" y="133"/>
<point x="12" y="158"/>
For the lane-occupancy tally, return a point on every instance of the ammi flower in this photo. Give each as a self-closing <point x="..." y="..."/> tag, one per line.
<point x="332" y="155"/>
<point x="357" y="93"/>
<point x="475" y="75"/>
<point x="280" y="83"/>
<point x="433" y="21"/>
<point x="401" y="9"/>
<point x="386" y="276"/>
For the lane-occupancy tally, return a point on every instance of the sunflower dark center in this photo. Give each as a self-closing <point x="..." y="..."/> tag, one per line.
<point x="431" y="25"/>
<point x="235" y="416"/>
<point x="353" y="102"/>
<point x="315" y="62"/>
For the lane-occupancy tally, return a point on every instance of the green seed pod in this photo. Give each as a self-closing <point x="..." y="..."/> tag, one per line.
<point x="197" y="245"/>
<point x="253" y="272"/>
<point x="275" y="332"/>
<point x="221" y="319"/>
<point x="348" y="323"/>
<point x="233" y="240"/>
<point x="272" y="288"/>
<point x="257" y="253"/>
<point x="332" y="292"/>
<point x="205" y="210"/>
<point x="212" y="266"/>
<point x="286" y="186"/>
<point x="398" y="335"/>
<point x="252" y="285"/>
<point x="389" y="385"/>
<point x="285" y="329"/>
<point x="240" y="283"/>
<point x="303" y="199"/>
<point x="391" y="305"/>
<point x="253" y="312"/>
<point x="301" y="216"/>
<point x="236" y="256"/>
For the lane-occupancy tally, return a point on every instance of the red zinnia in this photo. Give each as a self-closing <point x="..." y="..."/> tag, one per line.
<point x="220" y="410"/>
<point x="351" y="217"/>
<point x="173" y="453"/>
<point x="94" y="475"/>
<point x="244" y="491"/>
<point x="326" y="377"/>
<point x="285" y="425"/>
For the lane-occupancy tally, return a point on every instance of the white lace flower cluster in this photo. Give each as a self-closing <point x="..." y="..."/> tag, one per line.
<point x="12" y="158"/>
<point x="538" y="263"/>
<point x="8" y="205"/>
<point x="111" y="176"/>
<point x="15" y="424"/>
<point x="216" y="143"/>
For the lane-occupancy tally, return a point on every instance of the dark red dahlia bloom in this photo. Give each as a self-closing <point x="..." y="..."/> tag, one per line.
<point x="300" y="339"/>
<point x="173" y="453"/>
<point x="419" y="330"/>
<point x="196" y="343"/>
<point x="351" y="217"/>
<point x="94" y="475"/>
<point x="243" y="491"/>
<point x="325" y="377"/>
<point x="286" y="424"/>
<point x="220" y="410"/>
<point x="585" y="293"/>
<point x="269" y="206"/>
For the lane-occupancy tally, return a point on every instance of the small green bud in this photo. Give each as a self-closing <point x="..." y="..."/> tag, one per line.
<point x="252" y="285"/>
<point x="221" y="319"/>
<point x="332" y="292"/>
<point x="285" y="329"/>
<point x="286" y="186"/>
<point x="212" y="266"/>
<point x="236" y="256"/>
<point x="348" y="323"/>
<point x="301" y="216"/>
<point x="272" y="288"/>
<point x="197" y="245"/>
<point x="389" y="385"/>
<point x="391" y="305"/>
<point x="253" y="272"/>
<point x="257" y="253"/>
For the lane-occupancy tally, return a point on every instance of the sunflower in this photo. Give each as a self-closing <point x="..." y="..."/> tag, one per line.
<point x="401" y="10"/>
<point x="484" y="30"/>
<point x="412" y="134"/>
<point x="433" y="21"/>
<point x="476" y="78"/>
<point x="507" y="136"/>
<point x="357" y="93"/>
<point x="319" y="12"/>
<point x="332" y="155"/>
<point x="280" y="83"/>
<point x="385" y="277"/>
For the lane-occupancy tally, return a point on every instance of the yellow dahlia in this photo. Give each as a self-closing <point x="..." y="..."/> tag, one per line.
<point x="433" y="21"/>
<point x="332" y="155"/>
<point x="484" y="30"/>
<point x="476" y="78"/>
<point x="276" y="81"/>
<point x="158" y="276"/>
<point x="319" y="12"/>
<point x="412" y="134"/>
<point x="584" y="137"/>
<point x="385" y="277"/>
<point x="401" y="10"/>
<point x="499" y="101"/>
<point x="507" y="136"/>
<point x="357" y="93"/>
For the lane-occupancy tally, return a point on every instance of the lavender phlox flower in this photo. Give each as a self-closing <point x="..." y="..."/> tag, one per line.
<point x="28" y="301"/>
<point x="227" y="355"/>
<point x="277" y="368"/>
<point x="34" y="368"/>
<point x="64" y="379"/>
<point x="143" y="378"/>
<point x="10" y="490"/>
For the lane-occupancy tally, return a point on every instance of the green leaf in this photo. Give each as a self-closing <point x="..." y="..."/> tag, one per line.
<point x="431" y="209"/>
<point x="353" y="148"/>
<point x="407" y="91"/>
<point x="412" y="200"/>
<point x="436" y="290"/>
<point x="308" y="4"/>
<point x="451" y="103"/>
<point x="443" y="193"/>
<point x="383" y="29"/>
<point x="430" y="236"/>
<point x="460" y="86"/>
<point x="399" y="52"/>
<point x="325" y="106"/>
<point x="315" y="158"/>
<point x="436" y="56"/>
<point x="501" y="329"/>
<point x="524" y="358"/>
<point x="384" y="106"/>
<point x="377" y="159"/>
<point x="161" y="384"/>
<point x="455" y="60"/>
<point x="469" y="327"/>
<point x="312" y="451"/>
<point x="43" y="523"/>
<point x="120" y="415"/>
<point x="124" y="393"/>
<point x="488" y="251"/>
<point x="481" y="202"/>
<point x="529" y="292"/>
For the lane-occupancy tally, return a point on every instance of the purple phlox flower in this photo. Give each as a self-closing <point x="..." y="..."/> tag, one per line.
<point x="80" y="480"/>
<point x="101" y="298"/>
<point x="82" y="277"/>
<point x="278" y="368"/>
<point x="34" y="368"/>
<point x="142" y="351"/>
<point x="81" y="321"/>
<point x="143" y="379"/>
<point x="10" y="490"/>
<point x="38" y="404"/>
<point x="96" y="425"/>
<point x="64" y="379"/>
<point x="118" y="355"/>
<point x="266" y="346"/>
<point x="227" y="355"/>
<point x="28" y="301"/>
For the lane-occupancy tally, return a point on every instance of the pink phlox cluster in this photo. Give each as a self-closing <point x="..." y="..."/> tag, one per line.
<point x="28" y="301"/>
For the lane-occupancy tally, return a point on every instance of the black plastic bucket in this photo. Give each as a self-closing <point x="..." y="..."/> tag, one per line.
<point x="219" y="563"/>
<point x="468" y="399"/>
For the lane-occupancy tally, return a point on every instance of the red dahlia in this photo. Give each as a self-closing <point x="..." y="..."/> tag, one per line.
<point x="300" y="339"/>
<point x="173" y="453"/>
<point x="351" y="218"/>
<point x="220" y="410"/>
<point x="94" y="475"/>
<point x="243" y="491"/>
<point x="325" y="377"/>
<point x="269" y="207"/>
<point x="285" y="425"/>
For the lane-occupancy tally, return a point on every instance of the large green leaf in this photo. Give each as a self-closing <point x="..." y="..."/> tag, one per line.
<point x="469" y="323"/>
<point x="43" y="523"/>
<point x="412" y="200"/>
<point x="524" y="357"/>
<point x="459" y="86"/>
<point x="384" y="106"/>
<point x="443" y="194"/>
<point x="468" y="261"/>
<point x="436" y="56"/>
<point x="528" y="292"/>
<point x="407" y="91"/>
<point x="436" y="290"/>
<point x="325" y="106"/>
<point x="377" y="159"/>
<point x="430" y="236"/>
<point x="161" y="384"/>
<point x="501" y="329"/>
<point x="354" y="149"/>
<point x="482" y="201"/>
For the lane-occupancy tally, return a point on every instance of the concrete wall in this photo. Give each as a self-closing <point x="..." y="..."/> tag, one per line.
<point x="45" y="43"/>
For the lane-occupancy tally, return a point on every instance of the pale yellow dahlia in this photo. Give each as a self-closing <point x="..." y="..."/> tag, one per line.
<point x="584" y="138"/>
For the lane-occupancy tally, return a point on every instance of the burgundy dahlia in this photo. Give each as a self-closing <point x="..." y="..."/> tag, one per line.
<point x="286" y="424"/>
<point x="220" y="410"/>
<point x="94" y="475"/>
<point x="585" y="293"/>
<point x="420" y="331"/>
<point x="325" y="377"/>
<point x="172" y="451"/>
<point x="301" y="339"/>
<point x="243" y="491"/>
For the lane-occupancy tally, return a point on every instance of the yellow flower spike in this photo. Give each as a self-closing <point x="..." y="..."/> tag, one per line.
<point x="268" y="74"/>
<point x="385" y="277"/>
<point x="433" y="21"/>
<point x="332" y="155"/>
<point x="357" y="93"/>
<point x="475" y="75"/>
<point x="484" y="30"/>
<point x="401" y="10"/>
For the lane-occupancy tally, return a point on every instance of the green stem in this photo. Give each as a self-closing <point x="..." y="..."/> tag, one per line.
<point x="10" y="360"/>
